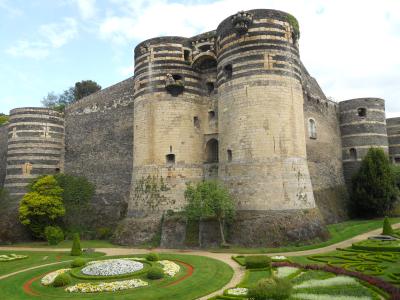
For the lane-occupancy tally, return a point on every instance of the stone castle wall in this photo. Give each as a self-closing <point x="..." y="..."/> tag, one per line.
<point x="3" y="153"/>
<point x="99" y="138"/>
<point x="324" y="151"/>
<point x="393" y="132"/>
<point x="362" y="126"/>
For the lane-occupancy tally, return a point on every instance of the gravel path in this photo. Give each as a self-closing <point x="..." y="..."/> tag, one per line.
<point x="225" y="257"/>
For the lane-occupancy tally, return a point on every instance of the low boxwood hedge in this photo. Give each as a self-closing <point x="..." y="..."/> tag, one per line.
<point x="257" y="262"/>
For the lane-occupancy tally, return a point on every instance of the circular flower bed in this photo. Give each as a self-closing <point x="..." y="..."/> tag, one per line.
<point x="106" y="286"/>
<point x="112" y="267"/>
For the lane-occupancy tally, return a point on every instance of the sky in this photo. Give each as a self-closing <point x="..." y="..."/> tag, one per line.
<point x="352" y="47"/>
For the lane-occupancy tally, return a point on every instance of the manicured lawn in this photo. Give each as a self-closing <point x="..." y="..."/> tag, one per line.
<point x="339" y="232"/>
<point x="68" y="244"/>
<point x="35" y="259"/>
<point x="208" y="275"/>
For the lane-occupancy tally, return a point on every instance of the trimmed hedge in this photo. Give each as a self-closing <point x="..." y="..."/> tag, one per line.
<point x="257" y="262"/>
<point x="155" y="273"/>
<point x="78" y="262"/>
<point x="76" y="249"/>
<point x="152" y="257"/>
<point x="62" y="280"/>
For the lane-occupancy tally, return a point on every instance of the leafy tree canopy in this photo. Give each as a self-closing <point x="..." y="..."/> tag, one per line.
<point x="374" y="189"/>
<point x="3" y="119"/>
<point x="209" y="199"/>
<point x="42" y="205"/>
<point x="81" y="89"/>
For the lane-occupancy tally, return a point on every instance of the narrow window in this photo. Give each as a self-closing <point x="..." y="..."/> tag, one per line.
<point x="212" y="151"/>
<point x="211" y="115"/>
<point x="228" y="71"/>
<point x="353" y="154"/>
<point x="177" y="77"/>
<point x="196" y="122"/>
<point x="229" y="153"/>
<point x="210" y="87"/>
<point x="362" y="112"/>
<point x="170" y="159"/>
<point x="186" y="55"/>
<point x="57" y="170"/>
<point x="397" y="160"/>
<point x="312" y="129"/>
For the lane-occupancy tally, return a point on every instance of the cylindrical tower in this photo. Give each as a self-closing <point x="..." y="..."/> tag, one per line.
<point x="169" y="111"/>
<point x="261" y="122"/>
<point x="393" y="132"/>
<point x="362" y="126"/>
<point x="35" y="146"/>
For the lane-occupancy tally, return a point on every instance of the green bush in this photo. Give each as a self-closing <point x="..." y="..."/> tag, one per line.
<point x="103" y="233"/>
<point x="78" y="262"/>
<point x="42" y="206"/>
<point x="387" y="227"/>
<point x="155" y="273"/>
<point x="257" y="262"/>
<point x="76" y="249"/>
<point x="62" y="280"/>
<point x="374" y="190"/>
<point x="152" y="257"/>
<point x="271" y="288"/>
<point x="54" y="235"/>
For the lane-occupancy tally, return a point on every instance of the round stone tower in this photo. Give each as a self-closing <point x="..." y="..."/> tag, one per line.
<point x="261" y="123"/>
<point x="35" y="146"/>
<point x="362" y="126"/>
<point x="169" y="113"/>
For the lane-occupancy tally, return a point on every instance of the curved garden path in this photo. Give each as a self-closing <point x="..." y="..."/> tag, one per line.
<point x="225" y="257"/>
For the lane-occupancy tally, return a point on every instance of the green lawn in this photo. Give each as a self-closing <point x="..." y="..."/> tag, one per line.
<point x="339" y="232"/>
<point x="68" y="244"/>
<point x="35" y="259"/>
<point x="209" y="275"/>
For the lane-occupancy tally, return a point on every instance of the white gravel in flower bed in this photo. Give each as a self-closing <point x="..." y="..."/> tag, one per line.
<point x="112" y="267"/>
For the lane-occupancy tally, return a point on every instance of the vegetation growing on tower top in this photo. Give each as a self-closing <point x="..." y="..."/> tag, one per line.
<point x="295" y="25"/>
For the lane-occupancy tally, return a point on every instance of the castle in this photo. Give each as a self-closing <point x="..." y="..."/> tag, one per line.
<point x="235" y="104"/>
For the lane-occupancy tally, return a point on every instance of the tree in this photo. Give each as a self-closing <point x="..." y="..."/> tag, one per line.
<point x="42" y="205"/>
<point x="209" y="199"/>
<point x="3" y="119"/>
<point x="85" y="88"/>
<point x="387" y="227"/>
<point x="72" y="94"/>
<point x="374" y="189"/>
<point x="76" y="196"/>
<point x="76" y="249"/>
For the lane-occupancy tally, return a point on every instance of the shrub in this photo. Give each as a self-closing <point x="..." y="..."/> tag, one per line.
<point x="103" y="233"/>
<point x="62" y="280"/>
<point x="155" y="273"/>
<point x="387" y="227"/>
<point x="78" y="262"/>
<point x="152" y="257"/>
<point x="374" y="189"/>
<point x="42" y="205"/>
<point x="54" y="235"/>
<point x="76" y="249"/>
<point x="257" y="262"/>
<point x="271" y="288"/>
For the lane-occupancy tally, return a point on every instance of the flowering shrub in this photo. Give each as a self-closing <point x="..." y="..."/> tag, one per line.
<point x="169" y="267"/>
<point x="237" y="291"/>
<point x="49" y="278"/>
<point x="106" y="286"/>
<point x="283" y="272"/>
<point x="334" y="281"/>
<point x="12" y="256"/>
<point x="112" y="267"/>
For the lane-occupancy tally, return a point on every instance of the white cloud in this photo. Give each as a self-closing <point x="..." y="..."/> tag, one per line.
<point x="58" y="34"/>
<point x="11" y="11"/>
<point x="87" y="8"/>
<point x="36" y="50"/>
<point x="52" y="36"/>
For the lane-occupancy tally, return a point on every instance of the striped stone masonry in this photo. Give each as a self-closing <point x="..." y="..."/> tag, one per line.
<point x="362" y="126"/>
<point x="35" y="146"/>
<point x="393" y="132"/>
